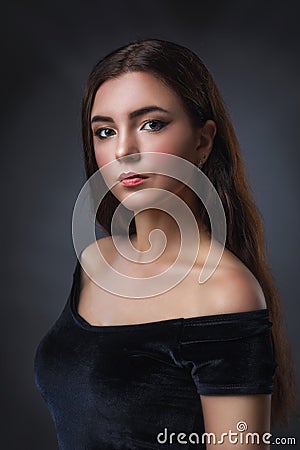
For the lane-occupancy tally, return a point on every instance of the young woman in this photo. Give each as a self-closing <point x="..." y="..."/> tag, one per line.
<point x="160" y="370"/>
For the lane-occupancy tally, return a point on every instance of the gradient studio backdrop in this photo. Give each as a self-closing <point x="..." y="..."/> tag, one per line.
<point x="251" y="49"/>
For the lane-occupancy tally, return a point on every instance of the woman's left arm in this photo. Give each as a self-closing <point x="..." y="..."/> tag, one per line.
<point x="232" y="421"/>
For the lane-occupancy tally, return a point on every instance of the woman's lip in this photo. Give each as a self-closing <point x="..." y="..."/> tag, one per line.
<point x="133" y="181"/>
<point x="131" y="175"/>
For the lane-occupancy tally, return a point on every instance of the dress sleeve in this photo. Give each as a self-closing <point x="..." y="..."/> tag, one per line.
<point x="229" y="354"/>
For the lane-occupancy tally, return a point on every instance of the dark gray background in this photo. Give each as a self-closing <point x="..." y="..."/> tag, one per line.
<point x="48" y="50"/>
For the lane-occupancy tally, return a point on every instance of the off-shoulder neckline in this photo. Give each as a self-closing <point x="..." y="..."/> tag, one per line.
<point x="218" y="318"/>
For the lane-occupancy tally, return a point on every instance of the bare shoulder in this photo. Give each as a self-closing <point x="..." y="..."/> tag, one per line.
<point x="234" y="288"/>
<point x="105" y="245"/>
<point x="90" y="258"/>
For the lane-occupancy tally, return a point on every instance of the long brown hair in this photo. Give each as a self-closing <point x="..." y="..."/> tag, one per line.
<point x="185" y="73"/>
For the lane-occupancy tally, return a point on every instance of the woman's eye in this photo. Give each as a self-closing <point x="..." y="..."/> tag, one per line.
<point x="154" y="125"/>
<point x="103" y="133"/>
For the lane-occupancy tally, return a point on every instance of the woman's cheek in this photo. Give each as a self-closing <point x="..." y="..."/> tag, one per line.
<point x="102" y="158"/>
<point x="170" y="144"/>
<point x="99" y="160"/>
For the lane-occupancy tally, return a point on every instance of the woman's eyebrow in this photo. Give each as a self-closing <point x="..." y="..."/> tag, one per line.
<point x="146" y="110"/>
<point x="133" y="114"/>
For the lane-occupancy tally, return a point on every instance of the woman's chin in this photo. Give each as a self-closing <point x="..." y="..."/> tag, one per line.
<point x="144" y="199"/>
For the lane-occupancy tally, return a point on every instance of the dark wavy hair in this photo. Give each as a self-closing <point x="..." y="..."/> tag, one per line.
<point x="183" y="71"/>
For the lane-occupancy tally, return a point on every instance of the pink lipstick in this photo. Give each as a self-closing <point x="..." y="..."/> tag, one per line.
<point x="132" y="179"/>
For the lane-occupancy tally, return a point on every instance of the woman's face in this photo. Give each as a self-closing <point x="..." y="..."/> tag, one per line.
<point x="134" y="114"/>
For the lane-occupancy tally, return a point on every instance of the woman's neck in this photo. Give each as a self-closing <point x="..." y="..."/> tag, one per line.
<point x="175" y="234"/>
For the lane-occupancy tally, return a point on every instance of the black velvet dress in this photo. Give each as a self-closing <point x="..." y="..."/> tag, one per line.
<point x="136" y="387"/>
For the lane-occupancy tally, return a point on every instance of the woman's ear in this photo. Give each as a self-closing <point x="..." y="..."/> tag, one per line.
<point x="206" y="139"/>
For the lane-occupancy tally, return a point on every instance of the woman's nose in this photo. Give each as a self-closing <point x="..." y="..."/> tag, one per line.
<point x="127" y="146"/>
